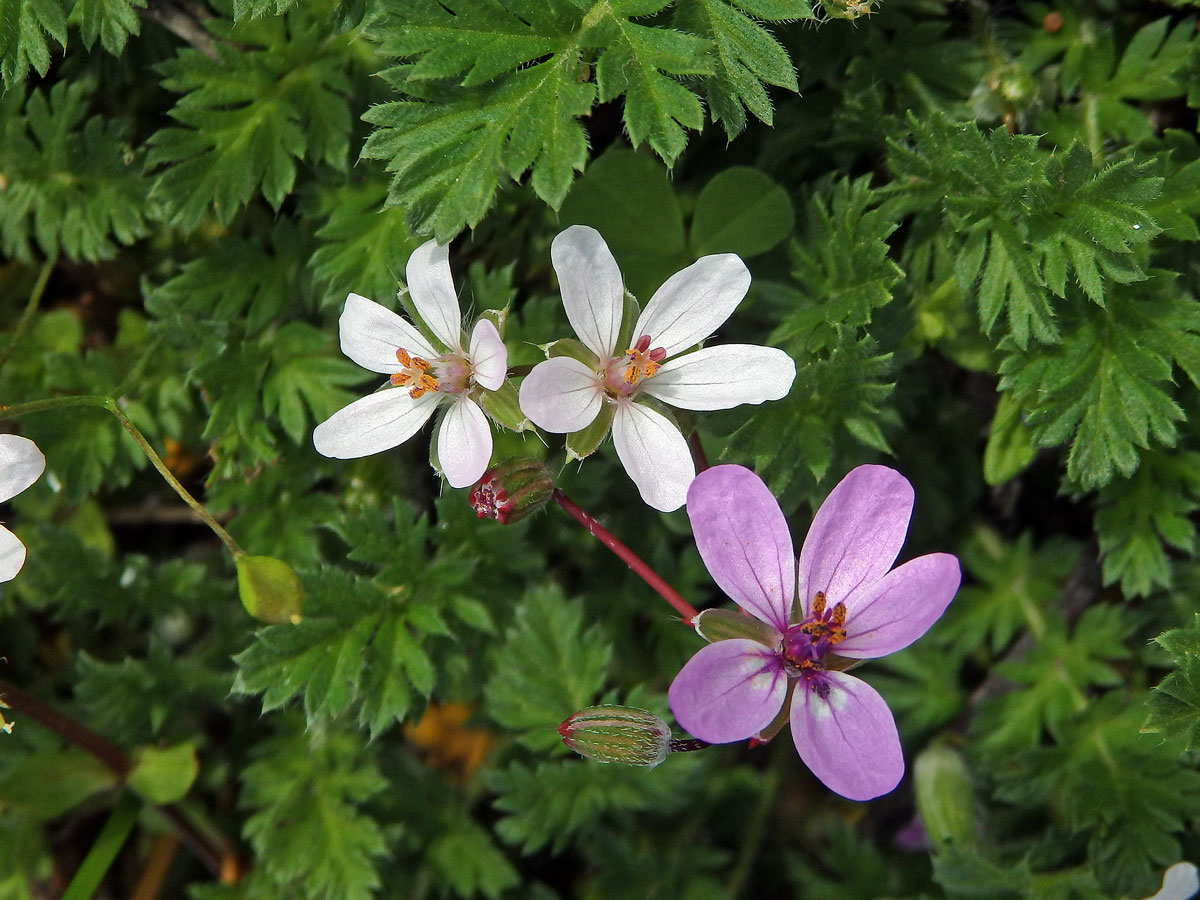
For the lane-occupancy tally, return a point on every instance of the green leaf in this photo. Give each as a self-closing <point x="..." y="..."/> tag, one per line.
<point x="743" y="211"/>
<point x="1009" y="445"/>
<point x="25" y="26"/>
<point x="164" y="775"/>
<point x="304" y="383"/>
<point x="72" y="182"/>
<point x="747" y="56"/>
<point x="468" y="861"/>
<point x="48" y="783"/>
<point x="548" y="803"/>
<point x="1174" y="704"/>
<point x="1106" y="388"/>
<point x="1141" y="517"/>
<point x="247" y="117"/>
<point x="548" y="667"/>
<point x="306" y="827"/>
<point x="112" y="21"/>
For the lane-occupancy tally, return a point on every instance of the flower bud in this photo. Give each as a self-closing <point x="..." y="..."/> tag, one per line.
<point x="270" y="589"/>
<point x="944" y="797"/>
<point x="512" y="490"/>
<point x="621" y="734"/>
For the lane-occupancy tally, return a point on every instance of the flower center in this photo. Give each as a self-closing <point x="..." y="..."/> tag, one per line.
<point x="623" y="374"/>
<point x="449" y="374"/>
<point x="415" y="371"/>
<point x="805" y="644"/>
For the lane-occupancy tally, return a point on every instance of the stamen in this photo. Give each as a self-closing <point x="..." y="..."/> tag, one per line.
<point x="405" y="359"/>
<point x="415" y="371"/>
<point x="818" y="604"/>
<point x="400" y="379"/>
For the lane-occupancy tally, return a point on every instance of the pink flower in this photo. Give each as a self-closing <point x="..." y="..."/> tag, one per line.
<point x="853" y="605"/>
<point x="565" y="394"/>
<point x="21" y="464"/>
<point x="423" y="377"/>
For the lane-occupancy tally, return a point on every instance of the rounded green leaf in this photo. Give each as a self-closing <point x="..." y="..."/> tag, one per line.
<point x="164" y="775"/>
<point x="741" y="211"/>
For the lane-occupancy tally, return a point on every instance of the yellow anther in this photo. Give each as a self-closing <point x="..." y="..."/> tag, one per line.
<point x="818" y="604"/>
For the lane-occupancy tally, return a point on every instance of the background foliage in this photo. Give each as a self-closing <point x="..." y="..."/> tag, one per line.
<point x="972" y="225"/>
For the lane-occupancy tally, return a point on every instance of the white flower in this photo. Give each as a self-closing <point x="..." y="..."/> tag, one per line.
<point x="422" y="376"/>
<point x="565" y="395"/>
<point x="21" y="464"/>
<point x="1179" y="883"/>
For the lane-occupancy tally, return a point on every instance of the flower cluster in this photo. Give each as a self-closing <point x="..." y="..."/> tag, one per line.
<point x="603" y="377"/>
<point x="843" y="603"/>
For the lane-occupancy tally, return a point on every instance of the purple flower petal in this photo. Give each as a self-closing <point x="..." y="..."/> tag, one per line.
<point x="464" y="443"/>
<point x="744" y="541"/>
<point x="856" y="534"/>
<point x="728" y="691"/>
<point x="723" y="377"/>
<point x="845" y="733"/>
<point x="593" y="292"/>
<point x="654" y="453"/>
<point x="431" y="287"/>
<point x="891" y="613"/>
<point x="561" y="395"/>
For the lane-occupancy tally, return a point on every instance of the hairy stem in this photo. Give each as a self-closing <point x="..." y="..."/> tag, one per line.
<point x="111" y="405"/>
<point x="631" y="559"/>
<point x="35" y="297"/>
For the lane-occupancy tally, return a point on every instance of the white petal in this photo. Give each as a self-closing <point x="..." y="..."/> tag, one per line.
<point x="723" y="377"/>
<point x="432" y="290"/>
<point x="489" y="356"/>
<point x="21" y="464"/>
<point x="694" y="302"/>
<point x="371" y="334"/>
<point x="464" y="444"/>
<point x="375" y="423"/>
<point x="1179" y="883"/>
<point x="12" y="555"/>
<point x="593" y="292"/>
<point x="654" y="454"/>
<point x="561" y="395"/>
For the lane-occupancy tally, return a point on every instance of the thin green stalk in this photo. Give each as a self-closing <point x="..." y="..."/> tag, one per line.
<point x="110" y="404"/>
<point x="35" y="297"/>
<point x="755" y="830"/>
<point x="108" y="844"/>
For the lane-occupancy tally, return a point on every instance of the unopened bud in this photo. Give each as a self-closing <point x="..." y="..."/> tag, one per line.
<point x="944" y="797"/>
<point x="270" y="589"/>
<point x="620" y="734"/>
<point x="512" y="490"/>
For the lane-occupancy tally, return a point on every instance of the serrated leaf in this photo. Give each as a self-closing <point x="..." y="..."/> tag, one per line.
<point x="548" y="667"/>
<point x="110" y="21"/>
<point x="72" y="185"/>
<point x="1174" y="704"/>
<point x="25" y="26"/>
<point x="307" y="827"/>
<point x="304" y="383"/>
<point x="746" y="58"/>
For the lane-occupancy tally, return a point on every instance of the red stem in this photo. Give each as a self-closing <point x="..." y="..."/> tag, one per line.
<point x="217" y="859"/>
<point x="630" y="558"/>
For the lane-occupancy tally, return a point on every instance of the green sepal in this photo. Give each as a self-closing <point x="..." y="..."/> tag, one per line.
<point x="1010" y="443"/>
<point x="630" y="313"/>
<point x="164" y="775"/>
<point x="584" y="442"/>
<point x="573" y="349"/>
<point x="270" y="589"/>
<point x="727" y="624"/>
<point x="503" y="407"/>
